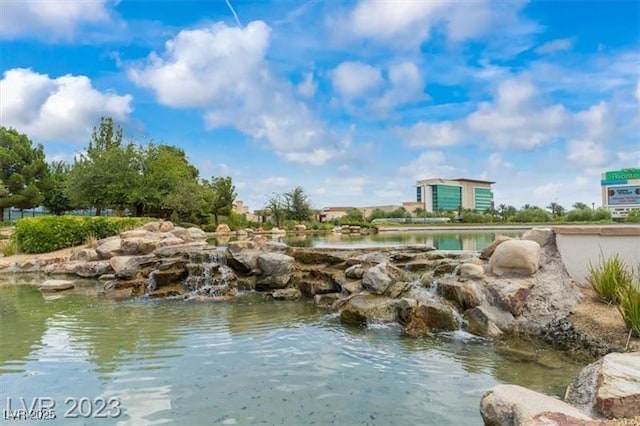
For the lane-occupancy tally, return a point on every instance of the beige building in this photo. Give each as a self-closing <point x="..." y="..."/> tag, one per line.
<point x="328" y="214"/>
<point x="454" y="194"/>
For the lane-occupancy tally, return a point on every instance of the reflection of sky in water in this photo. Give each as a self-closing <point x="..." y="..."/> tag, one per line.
<point x="254" y="361"/>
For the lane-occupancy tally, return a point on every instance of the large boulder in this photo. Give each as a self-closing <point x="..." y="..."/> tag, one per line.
<point x="423" y="317"/>
<point x="276" y="271"/>
<point x="545" y="237"/>
<point x="516" y="256"/>
<point x="465" y="295"/>
<point x="290" y="293"/>
<point x="510" y="294"/>
<point x="471" y="271"/>
<point x="478" y="322"/>
<point x="378" y="278"/>
<point x="127" y="266"/>
<point x="109" y="247"/>
<point x="488" y="250"/>
<point x="244" y="261"/>
<point x="609" y="386"/>
<point x="223" y="228"/>
<point x="512" y="405"/>
<point x="354" y="271"/>
<point x="84" y="255"/>
<point x="54" y="286"/>
<point x="93" y="269"/>
<point x="364" y="307"/>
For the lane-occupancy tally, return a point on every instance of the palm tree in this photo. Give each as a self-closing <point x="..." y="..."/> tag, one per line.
<point x="556" y="209"/>
<point x="580" y="206"/>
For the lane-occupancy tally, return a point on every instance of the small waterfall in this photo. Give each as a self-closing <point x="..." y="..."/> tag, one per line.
<point x="208" y="274"/>
<point x="151" y="283"/>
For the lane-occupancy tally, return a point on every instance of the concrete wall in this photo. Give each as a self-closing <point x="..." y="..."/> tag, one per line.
<point x="580" y="245"/>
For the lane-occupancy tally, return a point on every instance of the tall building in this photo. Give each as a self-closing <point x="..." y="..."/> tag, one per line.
<point x="454" y="194"/>
<point x="621" y="191"/>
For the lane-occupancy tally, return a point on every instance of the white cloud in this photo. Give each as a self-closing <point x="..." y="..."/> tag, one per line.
<point x="431" y="164"/>
<point x="56" y="109"/>
<point x="517" y="118"/>
<point x="554" y="46"/>
<point x="223" y="71"/>
<point x="52" y="20"/>
<point x="355" y="79"/>
<point x="424" y="134"/>
<point x="308" y="86"/>
<point x="406" y="86"/>
<point x="598" y="124"/>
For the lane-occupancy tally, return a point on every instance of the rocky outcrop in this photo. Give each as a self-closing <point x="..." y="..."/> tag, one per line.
<point x="378" y="278"/>
<point x="54" y="286"/>
<point x="361" y="308"/>
<point x="511" y="405"/>
<point x="610" y="387"/>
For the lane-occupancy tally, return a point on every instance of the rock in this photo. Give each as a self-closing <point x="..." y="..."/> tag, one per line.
<point x="354" y="271"/>
<point x="84" y="255"/>
<point x="194" y="234"/>
<point x="516" y="256"/>
<point x="471" y="271"/>
<point x="131" y="246"/>
<point x="129" y="265"/>
<point x="223" y="228"/>
<point x="610" y="386"/>
<point x="93" y="269"/>
<point x="109" y="248"/>
<point x="510" y="295"/>
<point x="351" y="286"/>
<point x="53" y="286"/>
<point x="545" y="237"/>
<point x="152" y="226"/>
<point x="300" y="227"/>
<point x="429" y="316"/>
<point x="477" y="322"/>
<point x="162" y="278"/>
<point x="397" y="289"/>
<point x="445" y="267"/>
<point x="378" y="278"/>
<point x="136" y="233"/>
<point x="165" y="226"/>
<point x="274" y="247"/>
<point x="312" y="286"/>
<point x="368" y="259"/>
<point x="488" y="250"/>
<point x="326" y="300"/>
<point x="363" y="307"/>
<point x="276" y="230"/>
<point x="465" y="295"/>
<point x="245" y="261"/>
<point x="276" y="271"/>
<point x="316" y="256"/>
<point x="291" y="293"/>
<point x="512" y="405"/>
<point x="564" y="335"/>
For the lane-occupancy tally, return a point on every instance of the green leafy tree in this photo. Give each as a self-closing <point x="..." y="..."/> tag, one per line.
<point x="276" y="208"/>
<point x="55" y="196"/>
<point x="579" y="205"/>
<point x="556" y="209"/>
<point x="169" y="184"/>
<point x="352" y="217"/>
<point x="221" y="195"/>
<point x="103" y="176"/>
<point x="377" y="214"/>
<point x="4" y="191"/>
<point x="298" y="205"/>
<point x="23" y="170"/>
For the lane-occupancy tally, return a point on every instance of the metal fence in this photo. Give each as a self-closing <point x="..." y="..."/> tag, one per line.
<point x="15" y="214"/>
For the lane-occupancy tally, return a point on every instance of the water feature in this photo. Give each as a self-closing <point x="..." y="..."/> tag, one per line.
<point x="249" y="361"/>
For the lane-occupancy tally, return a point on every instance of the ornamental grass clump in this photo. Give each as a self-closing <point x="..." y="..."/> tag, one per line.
<point x="629" y="299"/>
<point x="610" y="277"/>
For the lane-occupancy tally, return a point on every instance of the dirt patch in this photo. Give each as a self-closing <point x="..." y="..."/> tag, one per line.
<point x="602" y="322"/>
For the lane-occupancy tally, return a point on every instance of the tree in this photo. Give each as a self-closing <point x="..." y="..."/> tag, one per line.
<point x="298" y="205"/>
<point x="276" y="208"/>
<point x="104" y="176"/>
<point x="579" y="206"/>
<point x="556" y="209"/>
<point x="55" y="196"/>
<point x="353" y="216"/>
<point x="169" y="183"/>
<point x="221" y="195"/>
<point x="23" y="171"/>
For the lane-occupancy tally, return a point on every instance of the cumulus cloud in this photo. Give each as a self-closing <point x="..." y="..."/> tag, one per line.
<point x="52" y="20"/>
<point x="424" y="134"/>
<point x="62" y="109"/>
<point x="589" y="150"/>
<point x="431" y="164"/>
<point x="223" y="71"/>
<point x="406" y="86"/>
<point x="554" y="46"/>
<point x="308" y="86"/>
<point x="409" y="23"/>
<point x="355" y="79"/>
<point x="517" y="118"/>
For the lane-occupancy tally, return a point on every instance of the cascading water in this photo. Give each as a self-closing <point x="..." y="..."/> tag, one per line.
<point x="208" y="274"/>
<point x="151" y="282"/>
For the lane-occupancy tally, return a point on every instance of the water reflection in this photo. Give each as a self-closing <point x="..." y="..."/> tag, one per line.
<point x="252" y="361"/>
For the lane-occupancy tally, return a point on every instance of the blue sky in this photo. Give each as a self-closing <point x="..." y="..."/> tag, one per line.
<point x="354" y="101"/>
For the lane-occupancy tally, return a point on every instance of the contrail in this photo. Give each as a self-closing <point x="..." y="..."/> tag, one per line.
<point x="235" y="15"/>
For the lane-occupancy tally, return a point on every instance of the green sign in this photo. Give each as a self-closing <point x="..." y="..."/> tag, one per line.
<point x="623" y="174"/>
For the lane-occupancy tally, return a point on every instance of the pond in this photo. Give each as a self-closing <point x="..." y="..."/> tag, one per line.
<point x="251" y="361"/>
<point x="441" y="240"/>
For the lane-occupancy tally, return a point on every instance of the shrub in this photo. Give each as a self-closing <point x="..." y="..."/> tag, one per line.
<point x="610" y="277"/>
<point x="49" y="233"/>
<point x="580" y="215"/>
<point x="629" y="298"/>
<point x="10" y="247"/>
<point x="634" y="216"/>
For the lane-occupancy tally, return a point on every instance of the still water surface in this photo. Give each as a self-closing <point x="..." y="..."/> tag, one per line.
<point x="252" y="361"/>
